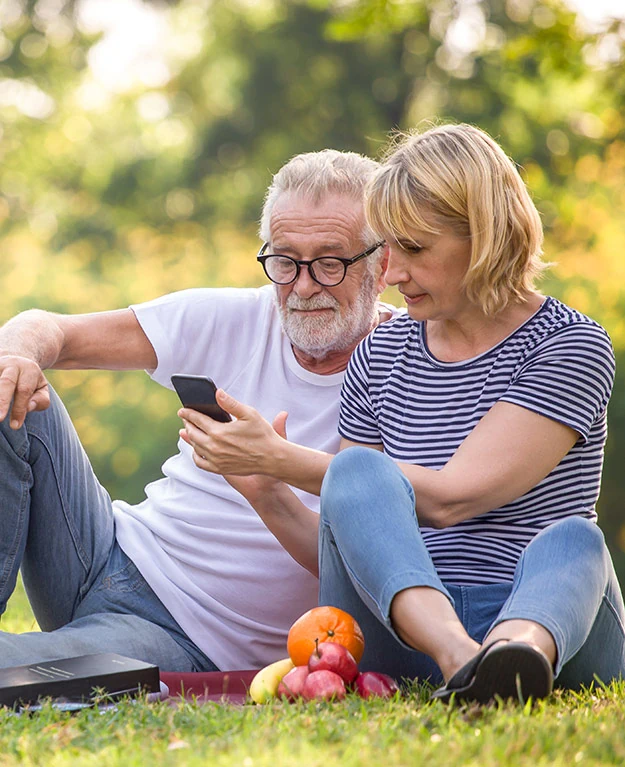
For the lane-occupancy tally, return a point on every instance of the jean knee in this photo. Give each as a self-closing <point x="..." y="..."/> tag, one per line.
<point x="346" y="479"/>
<point x="574" y="539"/>
<point x="358" y="480"/>
<point x="583" y="533"/>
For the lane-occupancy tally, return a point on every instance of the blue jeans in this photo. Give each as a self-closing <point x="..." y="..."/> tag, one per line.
<point x="370" y="548"/>
<point x="56" y="522"/>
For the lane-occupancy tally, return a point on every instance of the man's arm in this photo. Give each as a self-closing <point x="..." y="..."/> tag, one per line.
<point x="36" y="340"/>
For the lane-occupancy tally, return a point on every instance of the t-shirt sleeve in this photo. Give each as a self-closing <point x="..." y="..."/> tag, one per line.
<point x="202" y="329"/>
<point x="568" y="377"/>
<point x="357" y="418"/>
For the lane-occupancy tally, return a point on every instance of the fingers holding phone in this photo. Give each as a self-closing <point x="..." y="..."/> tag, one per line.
<point x="242" y="447"/>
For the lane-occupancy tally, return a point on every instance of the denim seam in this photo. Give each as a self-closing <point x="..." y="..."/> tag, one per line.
<point x="80" y="551"/>
<point x="128" y="572"/>
<point x="9" y="562"/>
<point x="614" y="613"/>
<point x="545" y="619"/>
<point x="465" y="607"/>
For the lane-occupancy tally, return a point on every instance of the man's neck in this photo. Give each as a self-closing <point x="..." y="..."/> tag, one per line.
<point x="334" y="361"/>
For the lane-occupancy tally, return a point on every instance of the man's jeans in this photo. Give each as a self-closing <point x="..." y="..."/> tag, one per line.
<point x="56" y="522"/>
<point x="371" y="548"/>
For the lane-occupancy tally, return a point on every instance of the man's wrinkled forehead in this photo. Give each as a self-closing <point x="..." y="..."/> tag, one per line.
<point x="338" y="216"/>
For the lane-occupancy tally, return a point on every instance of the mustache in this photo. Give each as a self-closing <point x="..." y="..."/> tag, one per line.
<point x="318" y="301"/>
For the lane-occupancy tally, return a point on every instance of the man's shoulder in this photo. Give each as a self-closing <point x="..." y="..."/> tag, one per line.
<point x="193" y="304"/>
<point x="390" y="312"/>
<point x="262" y="295"/>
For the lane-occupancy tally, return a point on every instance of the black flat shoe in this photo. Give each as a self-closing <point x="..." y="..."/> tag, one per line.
<point x="503" y="669"/>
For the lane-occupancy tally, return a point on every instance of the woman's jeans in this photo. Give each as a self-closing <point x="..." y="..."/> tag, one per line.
<point x="56" y="522"/>
<point x="371" y="548"/>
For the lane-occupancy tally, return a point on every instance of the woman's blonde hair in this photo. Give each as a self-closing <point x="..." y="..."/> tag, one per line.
<point x="457" y="178"/>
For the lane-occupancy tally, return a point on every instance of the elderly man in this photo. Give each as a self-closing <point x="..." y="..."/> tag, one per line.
<point x="189" y="579"/>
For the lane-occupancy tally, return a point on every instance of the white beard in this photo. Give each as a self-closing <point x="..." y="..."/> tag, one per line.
<point x="319" y="335"/>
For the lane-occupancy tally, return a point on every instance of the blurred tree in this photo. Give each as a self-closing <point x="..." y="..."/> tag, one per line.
<point x="113" y="196"/>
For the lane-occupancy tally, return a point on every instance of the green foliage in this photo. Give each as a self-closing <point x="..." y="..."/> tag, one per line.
<point x="109" y="197"/>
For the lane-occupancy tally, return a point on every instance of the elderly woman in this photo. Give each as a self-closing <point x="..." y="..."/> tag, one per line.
<point x="460" y="523"/>
<point x="458" y="527"/>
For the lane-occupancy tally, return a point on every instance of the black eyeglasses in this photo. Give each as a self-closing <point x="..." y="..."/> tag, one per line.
<point x="328" y="271"/>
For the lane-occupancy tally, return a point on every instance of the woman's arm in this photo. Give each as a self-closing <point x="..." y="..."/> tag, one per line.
<point x="294" y="525"/>
<point x="507" y="454"/>
<point x="251" y="445"/>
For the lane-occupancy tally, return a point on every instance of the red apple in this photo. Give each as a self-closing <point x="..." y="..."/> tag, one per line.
<point x="323" y="685"/>
<point x="292" y="683"/>
<point x="331" y="656"/>
<point x="372" y="684"/>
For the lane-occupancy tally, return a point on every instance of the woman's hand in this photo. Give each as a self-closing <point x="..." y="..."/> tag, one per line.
<point x="246" y="446"/>
<point x="259" y="490"/>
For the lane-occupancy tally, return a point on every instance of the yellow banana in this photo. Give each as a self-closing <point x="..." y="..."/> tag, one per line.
<point x="265" y="684"/>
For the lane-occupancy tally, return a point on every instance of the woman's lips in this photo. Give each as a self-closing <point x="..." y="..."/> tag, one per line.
<point x="411" y="300"/>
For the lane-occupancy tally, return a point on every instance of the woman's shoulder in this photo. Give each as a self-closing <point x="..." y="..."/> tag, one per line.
<point x="397" y="326"/>
<point x="386" y="341"/>
<point x="559" y="328"/>
<point x="557" y="318"/>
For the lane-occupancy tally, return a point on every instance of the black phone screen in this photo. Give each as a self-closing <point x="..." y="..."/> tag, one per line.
<point x="198" y="393"/>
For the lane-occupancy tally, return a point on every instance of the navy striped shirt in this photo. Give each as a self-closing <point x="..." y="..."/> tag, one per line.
<point x="559" y="364"/>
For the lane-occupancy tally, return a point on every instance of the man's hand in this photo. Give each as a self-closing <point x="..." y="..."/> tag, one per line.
<point x="21" y="380"/>
<point x="243" y="447"/>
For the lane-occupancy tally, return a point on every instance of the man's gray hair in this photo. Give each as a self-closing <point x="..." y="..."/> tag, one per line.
<point x="315" y="175"/>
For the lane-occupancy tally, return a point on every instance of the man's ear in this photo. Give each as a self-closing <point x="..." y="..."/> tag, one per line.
<point x="383" y="264"/>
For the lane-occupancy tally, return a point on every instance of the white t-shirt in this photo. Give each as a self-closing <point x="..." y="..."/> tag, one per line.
<point x="205" y="552"/>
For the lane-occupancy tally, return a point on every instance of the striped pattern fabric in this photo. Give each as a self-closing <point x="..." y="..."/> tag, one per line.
<point x="559" y="364"/>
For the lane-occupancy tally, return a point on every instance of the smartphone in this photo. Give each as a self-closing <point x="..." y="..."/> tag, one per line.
<point x="198" y="393"/>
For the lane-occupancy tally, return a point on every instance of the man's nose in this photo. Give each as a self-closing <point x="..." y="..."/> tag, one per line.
<point x="304" y="285"/>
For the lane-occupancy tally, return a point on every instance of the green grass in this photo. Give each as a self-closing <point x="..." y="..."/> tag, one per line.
<point x="567" y="730"/>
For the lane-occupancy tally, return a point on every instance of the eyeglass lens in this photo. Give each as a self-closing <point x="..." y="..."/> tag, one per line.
<point x="327" y="271"/>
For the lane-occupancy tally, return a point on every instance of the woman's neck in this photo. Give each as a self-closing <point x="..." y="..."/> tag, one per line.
<point x="461" y="339"/>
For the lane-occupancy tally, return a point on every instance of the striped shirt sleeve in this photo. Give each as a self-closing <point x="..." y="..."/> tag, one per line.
<point x="568" y="378"/>
<point x="357" y="420"/>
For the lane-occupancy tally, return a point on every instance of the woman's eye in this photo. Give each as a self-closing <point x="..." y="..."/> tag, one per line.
<point x="411" y="247"/>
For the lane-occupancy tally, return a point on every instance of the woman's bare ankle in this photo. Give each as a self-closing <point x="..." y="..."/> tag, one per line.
<point x="450" y="661"/>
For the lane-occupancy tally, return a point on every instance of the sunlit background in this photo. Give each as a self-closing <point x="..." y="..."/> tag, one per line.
<point x="137" y="139"/>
